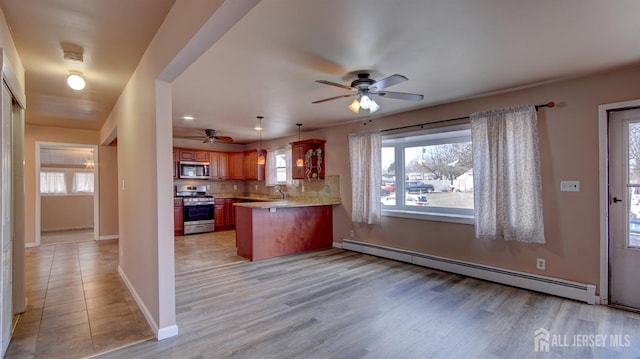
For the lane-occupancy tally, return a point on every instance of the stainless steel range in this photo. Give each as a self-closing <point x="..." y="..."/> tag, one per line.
<point x="198" y="213"/>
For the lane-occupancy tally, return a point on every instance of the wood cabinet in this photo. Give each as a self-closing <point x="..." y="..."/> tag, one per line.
<point x="175" y="163"/>
<point x="218" y="213"/>
<point x="224" y="213"/>
<point x="313" y="156"/>
<point x="219" y="165"/>
<point x="236" y="166"/>
<point x="253" y="170"/>
<point x="178" y="224"/>
<point x="193" y="155"/>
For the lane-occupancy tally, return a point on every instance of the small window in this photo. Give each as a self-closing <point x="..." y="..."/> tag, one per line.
<point x="281" y="166"/>
<point x="52" y="183"/>
<point x="428" y="172"/>
<point x="83" y="182"/>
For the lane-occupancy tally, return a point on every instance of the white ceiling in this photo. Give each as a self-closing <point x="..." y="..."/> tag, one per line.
<point x="268" y="62"/>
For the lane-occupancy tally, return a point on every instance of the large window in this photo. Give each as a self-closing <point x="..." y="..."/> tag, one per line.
<point x="428" y="172"/>
<point x="83" y="182"/>
<point x="57" y="182"/>
<point x="281" y="166"/>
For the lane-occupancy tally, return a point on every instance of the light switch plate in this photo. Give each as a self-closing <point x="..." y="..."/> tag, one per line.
<point x="570" y="186"/>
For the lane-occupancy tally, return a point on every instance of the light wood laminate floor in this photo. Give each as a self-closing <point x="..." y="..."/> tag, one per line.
<point x="339" y="304"/>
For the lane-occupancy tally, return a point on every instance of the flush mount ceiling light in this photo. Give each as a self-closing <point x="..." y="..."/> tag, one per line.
<point x="76" y="81"/>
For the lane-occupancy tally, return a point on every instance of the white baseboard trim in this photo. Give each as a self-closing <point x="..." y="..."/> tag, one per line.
<point x="554" y="286"/>
<point x="66" y="229"/>
<point x="104" y="238"/>
<point x="337" y="245"/>
<point x="161" y="333"/>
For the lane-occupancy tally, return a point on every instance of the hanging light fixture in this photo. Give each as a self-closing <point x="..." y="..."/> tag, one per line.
<point x="363" y="101"/>
<point x="299" y="161"/>
<point x="261" y="159"/>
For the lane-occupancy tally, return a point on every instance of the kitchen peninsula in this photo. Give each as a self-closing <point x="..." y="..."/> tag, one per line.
<point x="272" y="229"/>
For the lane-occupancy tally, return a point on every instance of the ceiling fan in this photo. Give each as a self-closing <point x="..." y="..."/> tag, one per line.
<point x="211" y="137"/>
<point x="366" y="87"/>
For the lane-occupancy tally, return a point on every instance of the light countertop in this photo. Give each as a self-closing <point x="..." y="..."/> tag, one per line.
<point x="291" y="203"/>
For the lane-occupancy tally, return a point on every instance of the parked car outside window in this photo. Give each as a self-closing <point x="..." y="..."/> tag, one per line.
<point x="418" y="187"/>
<point x="410" y="200"/>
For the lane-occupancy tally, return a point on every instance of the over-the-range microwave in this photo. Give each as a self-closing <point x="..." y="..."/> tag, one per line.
<point x="193" y="170"/>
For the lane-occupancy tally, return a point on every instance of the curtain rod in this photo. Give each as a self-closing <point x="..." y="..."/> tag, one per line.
<point x="548" y="104"/>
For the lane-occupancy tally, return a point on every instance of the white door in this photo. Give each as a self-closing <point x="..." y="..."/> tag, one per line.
<point x="624" y="207"/>
<point x="6" y="240"/>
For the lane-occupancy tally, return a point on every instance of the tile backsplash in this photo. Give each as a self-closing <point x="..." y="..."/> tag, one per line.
<point x="326" y="188"/>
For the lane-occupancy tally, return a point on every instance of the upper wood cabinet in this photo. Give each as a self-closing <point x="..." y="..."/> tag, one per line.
<point x="219" y="165"/>
<point x="236" y="166"/>
<point x="312" y="154"/>
<point x="253" y="170"/>
<point x="193" y="155"/>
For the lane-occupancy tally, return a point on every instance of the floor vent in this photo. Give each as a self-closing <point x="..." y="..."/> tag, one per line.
<point x="562" y="288"/>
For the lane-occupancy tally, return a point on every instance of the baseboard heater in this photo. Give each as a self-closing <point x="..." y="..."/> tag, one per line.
<point x="562" y="288"/>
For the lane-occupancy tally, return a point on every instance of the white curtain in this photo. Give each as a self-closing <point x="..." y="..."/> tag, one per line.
<point x="270" y="169"/>
<point x="366" y="176"/>
<point x="52" y="182"/>
<point x="506" y="175"/>
<point x="83" y="182"/>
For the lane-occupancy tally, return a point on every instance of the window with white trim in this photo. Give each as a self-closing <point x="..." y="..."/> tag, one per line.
<point x="428" y="172"/>
<point x="281" y="166"/>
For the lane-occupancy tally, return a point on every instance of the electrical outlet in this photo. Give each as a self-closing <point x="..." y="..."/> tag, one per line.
<point x="256" y="187"/>
<point x="541" y="264"/>
<point x="235" y="187"/>
<point x="351" y="234"/>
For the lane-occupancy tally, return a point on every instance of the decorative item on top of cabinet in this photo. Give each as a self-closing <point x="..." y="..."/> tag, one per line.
<point x="252" y="169"/>
<point x="312" y="151"/>
<point x="219" y="165"/>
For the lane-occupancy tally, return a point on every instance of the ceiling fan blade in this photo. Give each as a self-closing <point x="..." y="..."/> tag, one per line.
<point x="335" y="98"/>
<point x="225" y="139"/>
<point x="325" y="82"/>
<point x="387" y="81"/>
<point x="399" y="95"/>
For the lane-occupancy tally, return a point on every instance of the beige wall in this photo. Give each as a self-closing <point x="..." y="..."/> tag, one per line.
<point x="142" y="121"/>
<point x="108" y="191"/>
<point x="33" y="134"/>
<point x="569" y="151"/>
<point x="66" y="212"/>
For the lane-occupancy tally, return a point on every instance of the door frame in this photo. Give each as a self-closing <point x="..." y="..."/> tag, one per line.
<point x="603" y="154"/>
<point x="96" y="188"/>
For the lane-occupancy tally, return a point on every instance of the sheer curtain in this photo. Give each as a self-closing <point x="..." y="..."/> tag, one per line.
<point x="366" y="176"/>
<point x="270" y="169"/>
<point x="52" y="182"/>
<point x="83" y="182"/>
<point x="506" y="175"/>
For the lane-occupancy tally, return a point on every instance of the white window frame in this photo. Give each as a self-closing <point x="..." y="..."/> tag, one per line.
<point x="276" y="153"/>
<point x="429" y="137"/>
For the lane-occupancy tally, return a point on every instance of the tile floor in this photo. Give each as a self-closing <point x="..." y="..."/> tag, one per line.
<point x="78" y="306"/>
<point x="66" y="236"/>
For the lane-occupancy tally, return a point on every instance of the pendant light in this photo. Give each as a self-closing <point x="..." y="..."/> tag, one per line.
<point x="261" y="159"/>
<point x="299" y="161"/>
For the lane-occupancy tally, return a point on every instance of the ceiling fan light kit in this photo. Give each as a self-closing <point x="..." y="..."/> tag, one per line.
<point x="76" y="81"/>
<point x="366" y="87"/>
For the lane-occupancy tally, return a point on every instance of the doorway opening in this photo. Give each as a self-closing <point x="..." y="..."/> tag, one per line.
<point x="67" y="193"/>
